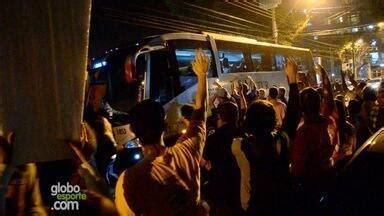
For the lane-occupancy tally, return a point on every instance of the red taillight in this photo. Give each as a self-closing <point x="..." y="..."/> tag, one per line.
<point x="129" y="70"/>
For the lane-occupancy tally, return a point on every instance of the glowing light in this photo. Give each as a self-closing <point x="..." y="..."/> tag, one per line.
<point x="99" y="64"/>
<point x="316" y="37"/>
<point x="333" y="74"/>
<point x="341" y="19"/>
<point x="371" y="27"/>
<point x="380" y="24"/>
<point x="183" y="131"/>
<point x="137" y="156"/>
<point x="355" y="29"/>
<point x="360" y="41"/>
<point x="381" y="65"/>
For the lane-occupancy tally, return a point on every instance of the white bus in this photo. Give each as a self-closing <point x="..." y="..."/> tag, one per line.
<point x="159" y="67"/>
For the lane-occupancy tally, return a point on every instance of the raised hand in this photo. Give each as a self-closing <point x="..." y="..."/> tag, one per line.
<point x="201" y="64"/>
<point x="290" y="70"/>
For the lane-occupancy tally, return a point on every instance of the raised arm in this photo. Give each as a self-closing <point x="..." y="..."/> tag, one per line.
<point x="352" y="79"/>
<point x="343" y="83"/>
<point x="200" y="66"/>
<point x="253" y="86"/>
<point x="196" y="131"/>
<point x="328" y="104"/>
<point x="243" y="101"/>
<point x="293" y="113"/>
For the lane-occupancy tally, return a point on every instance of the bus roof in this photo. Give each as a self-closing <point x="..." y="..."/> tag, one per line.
<point x="216" y="36"/>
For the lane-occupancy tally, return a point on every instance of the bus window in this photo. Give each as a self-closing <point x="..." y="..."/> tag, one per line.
<point x="161" y="77"/>
<point x="232" y="61"/>
<point x="233" y="57"/>
<point x="262" y="62"/>
<point x="302" y="65"/>
<point x="187" y="77"/>
<point x="279" y="62"/>
<point x="256" y="61"/>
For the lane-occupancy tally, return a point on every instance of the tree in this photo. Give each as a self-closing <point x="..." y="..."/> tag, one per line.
<point x="355" y="56"/>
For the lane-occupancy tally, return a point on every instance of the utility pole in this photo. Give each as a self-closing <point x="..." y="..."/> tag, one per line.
<point x="271" y="5"/>
<point x="275" y="32"/>
<point x="353" y="60"/>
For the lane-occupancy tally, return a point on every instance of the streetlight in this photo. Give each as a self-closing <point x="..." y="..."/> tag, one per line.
<point x="381" y="25"/>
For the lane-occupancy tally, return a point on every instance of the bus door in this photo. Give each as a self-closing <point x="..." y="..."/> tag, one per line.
<point x="179" y="84"/>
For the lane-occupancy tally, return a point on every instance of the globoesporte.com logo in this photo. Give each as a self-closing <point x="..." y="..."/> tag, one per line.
<point x="67" y="197"/>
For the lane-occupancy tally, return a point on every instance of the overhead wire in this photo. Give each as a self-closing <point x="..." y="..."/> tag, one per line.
<point x="143" y="24"/>
<point x="281" y="21"/>
<point x="279" y="17"/>
<point x="227" y="15"/>
<point x="199" y="20"/>
<point x="247" y="9"/>
<point x="183" y="27"/>
<point x="172" y="21"/>
<point x="220" y="18"/>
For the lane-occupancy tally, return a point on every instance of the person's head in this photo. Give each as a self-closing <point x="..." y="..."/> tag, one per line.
<point x="340" y="97"/>
<point x="354" y="108"/>
<point x="186" y="113"/>
<point x="227" y="113"/>
<point x="282" y="91"/>
<point x="262" y="94"/>
<point x="369" y="94"/>
<point x="260" y="117"/>
<point x="225" y="62"/>
<point x="310" y="102"/>
<point x="148" y="121"/>
<point x="380" y="97"/>
<point x="273" y="92"/>
<point x="301" y="85"/>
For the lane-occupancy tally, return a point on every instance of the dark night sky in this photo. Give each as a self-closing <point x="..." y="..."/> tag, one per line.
<point x="106" y="32"/>
<point x="110" y="29"/>
<point x="118" y="22"/>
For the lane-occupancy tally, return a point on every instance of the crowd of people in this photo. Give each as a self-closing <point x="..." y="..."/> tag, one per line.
<point x="258" y="153"/>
